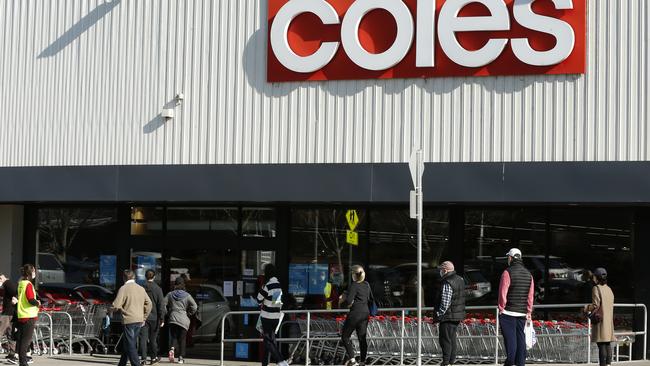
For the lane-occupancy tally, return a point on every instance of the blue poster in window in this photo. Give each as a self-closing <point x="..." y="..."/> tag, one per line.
<point x="298" y="279"/>
<point x="241" y="350"/>
<point x="318" y="274"/>
<point x="144" y="263"/>
<point x="108" y="271"/>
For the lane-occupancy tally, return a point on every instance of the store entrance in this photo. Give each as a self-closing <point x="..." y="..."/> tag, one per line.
<point x="220" y="280"/>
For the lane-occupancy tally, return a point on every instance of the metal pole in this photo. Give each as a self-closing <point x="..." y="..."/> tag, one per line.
<point x="496" y="339"/>
<point x="588" y="341"/>
<point x="401" y="351"/>
<point x="223" y="323"/>
<point x="418" y="193"/>
<point x="307" y="340"/>
<point x="645" y="331"/>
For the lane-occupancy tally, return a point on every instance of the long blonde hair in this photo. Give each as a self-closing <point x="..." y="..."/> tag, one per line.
<point x="358" y="273"/>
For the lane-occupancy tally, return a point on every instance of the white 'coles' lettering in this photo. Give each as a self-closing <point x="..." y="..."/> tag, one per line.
<point x="425" y="32"/>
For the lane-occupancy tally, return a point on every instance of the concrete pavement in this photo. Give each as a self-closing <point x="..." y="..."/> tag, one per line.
<point x="79" y="360"/>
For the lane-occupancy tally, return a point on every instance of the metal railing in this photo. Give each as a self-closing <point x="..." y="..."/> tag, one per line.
<point x="307" y="339"/>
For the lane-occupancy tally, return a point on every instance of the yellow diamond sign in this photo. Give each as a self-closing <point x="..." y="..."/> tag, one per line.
<point x="352" y="237"/>
<point x="353" y="219"/>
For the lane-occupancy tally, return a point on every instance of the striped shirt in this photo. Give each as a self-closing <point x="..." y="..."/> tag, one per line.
<point x="270" y="298"/>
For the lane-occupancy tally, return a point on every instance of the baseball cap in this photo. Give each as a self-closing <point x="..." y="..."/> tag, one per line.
<point x="600" y="272"/>
<point x="514" y="252"/>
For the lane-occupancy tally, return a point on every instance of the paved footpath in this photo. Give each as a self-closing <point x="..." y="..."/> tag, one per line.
<point x="79" y="360"/>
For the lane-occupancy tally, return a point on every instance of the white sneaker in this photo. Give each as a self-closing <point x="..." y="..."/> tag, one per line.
<point x="283" y="363"/>
<point x="352" y="362"/>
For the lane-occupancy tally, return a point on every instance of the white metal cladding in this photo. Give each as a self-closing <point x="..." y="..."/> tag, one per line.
<point x="83" y="82"/>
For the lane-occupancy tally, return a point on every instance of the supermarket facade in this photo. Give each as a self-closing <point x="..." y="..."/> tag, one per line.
<point x="208" y="138"/>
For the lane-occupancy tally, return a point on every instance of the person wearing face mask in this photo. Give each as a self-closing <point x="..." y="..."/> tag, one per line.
<point x="9" y="302"/>
<point x="451" y="310"/>
<point x="26" y="312"/>
<point x="516" y="295"/>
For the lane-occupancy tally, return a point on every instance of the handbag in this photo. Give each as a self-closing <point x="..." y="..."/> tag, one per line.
<point x="596" y="315"/>
<point x="372" y="305"/>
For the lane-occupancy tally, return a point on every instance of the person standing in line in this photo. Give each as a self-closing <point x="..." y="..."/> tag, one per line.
<point x="26" y="312"/>
<point x="516" y="293"/>
<point x="180" y="306"/>
<point x="451" y="310"/>
<point x="270" y="300"/>
<point x="602" y="301"/>
<point x="134" y="304"/>
<point x="9" y="301"/>
<point x="356" y="299"/>
<point x="151" y="328"/>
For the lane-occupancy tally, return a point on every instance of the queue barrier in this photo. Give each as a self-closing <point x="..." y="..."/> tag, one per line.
<point x="392" y="339"/>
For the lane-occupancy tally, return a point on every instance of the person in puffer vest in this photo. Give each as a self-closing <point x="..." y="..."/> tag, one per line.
<point x="516" y="292"/>
<point x="451" y="310"/>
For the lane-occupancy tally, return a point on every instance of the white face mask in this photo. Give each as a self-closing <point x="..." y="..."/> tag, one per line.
<point x="442" y="273"/>
<point x="33" y="275"/>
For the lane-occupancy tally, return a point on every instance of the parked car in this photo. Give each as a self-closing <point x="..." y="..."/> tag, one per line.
<point x="476" y="285"/>
<point x="66" y="293"/>
<point x="50" y="269"/>
<point x="213" y="306"/>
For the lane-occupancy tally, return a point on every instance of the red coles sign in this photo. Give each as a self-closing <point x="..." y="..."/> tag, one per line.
<point x="383" y="39"/>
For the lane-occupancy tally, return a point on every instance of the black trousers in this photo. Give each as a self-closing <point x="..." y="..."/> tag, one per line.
<point x="448" y="342"/>
<point x="270" y="345"/>
<point x="178" y="336"/>
<point x="604" y="353"/>
<point x="24" y="335"/>
<point x="149" y="339"/>
<point x="130" y="336"/>
<point x="355" y="322"/>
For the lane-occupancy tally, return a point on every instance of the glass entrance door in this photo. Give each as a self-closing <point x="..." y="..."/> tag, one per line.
<point x="220" y="280"/>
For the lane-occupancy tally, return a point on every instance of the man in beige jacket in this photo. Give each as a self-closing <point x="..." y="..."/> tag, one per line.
<point x="134" y="304"/>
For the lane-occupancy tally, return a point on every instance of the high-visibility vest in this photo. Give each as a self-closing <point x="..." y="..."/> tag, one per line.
<point x="328" y="294"/>
<point x="24" y="309"/>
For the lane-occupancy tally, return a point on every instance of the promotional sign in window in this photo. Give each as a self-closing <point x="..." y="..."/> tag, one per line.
<point x="383" y="39"/>
<point x="108" y="271"/>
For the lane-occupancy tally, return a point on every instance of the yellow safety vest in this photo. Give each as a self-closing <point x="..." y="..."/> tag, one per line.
<point x="24" y="309"/>
<point x="328" y="293"/>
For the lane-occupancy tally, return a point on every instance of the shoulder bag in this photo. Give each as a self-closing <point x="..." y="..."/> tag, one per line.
<point x="596" y="315"/>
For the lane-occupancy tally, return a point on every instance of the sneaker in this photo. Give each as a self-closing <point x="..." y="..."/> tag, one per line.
<point x="283" y="363"/>
<point x="30" y="360"/>
<point x="181" y="360"/>
<point x="171" y="355"/>
<point x="352" y="362"/>
<point x="154" y="360"/>
<point x="12" y="359"/>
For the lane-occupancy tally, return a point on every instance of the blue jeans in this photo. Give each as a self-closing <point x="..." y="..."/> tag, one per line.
<point x="514" y="338"/>
<point x="130" y="344"/>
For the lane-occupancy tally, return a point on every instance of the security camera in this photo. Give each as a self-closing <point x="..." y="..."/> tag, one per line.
<point x="180" y="97"/>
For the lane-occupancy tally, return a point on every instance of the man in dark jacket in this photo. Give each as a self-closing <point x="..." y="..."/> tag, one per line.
<point x="9" y="300"/>
<point x="516" y="293"/>
<point x="451" y="310"/>
<point x="151" y="327"/>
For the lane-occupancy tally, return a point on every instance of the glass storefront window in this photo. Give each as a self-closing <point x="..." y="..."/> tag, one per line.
<point x="489" y="234"/>
<point x="75" y="250"/>
<point x="584" y="239"/>
<point x="146" y="220"/>
<point x="258" y="222"/>
<point x="215" y="219"/>
<point x="320" y="255"/>
<point x="393" y="254"/>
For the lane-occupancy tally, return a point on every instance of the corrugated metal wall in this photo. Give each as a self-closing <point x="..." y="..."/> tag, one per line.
<point x="82" y="82"/>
